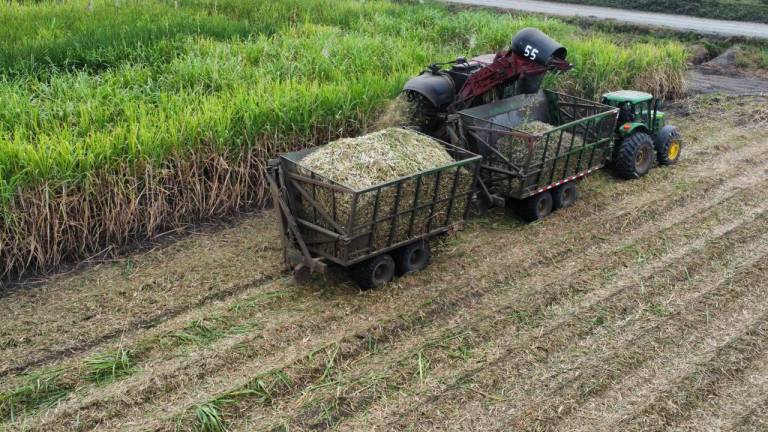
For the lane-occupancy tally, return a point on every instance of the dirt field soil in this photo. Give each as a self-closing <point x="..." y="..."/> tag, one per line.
<point x="642" y="307"/>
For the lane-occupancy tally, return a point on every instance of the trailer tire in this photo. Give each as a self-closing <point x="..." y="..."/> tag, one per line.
<point x="536" y="207"/>
<point x="374" y="272"/>
<point x="668" y="145"/>
<point x="635" y="156"/>
<point x="564" y="196"/>
<point x="413" y="257"/>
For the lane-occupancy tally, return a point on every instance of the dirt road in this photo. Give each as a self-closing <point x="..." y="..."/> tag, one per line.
<point x="703" y="82"/>
<point x="643" y="307"/>
<point x="650" y="19"/>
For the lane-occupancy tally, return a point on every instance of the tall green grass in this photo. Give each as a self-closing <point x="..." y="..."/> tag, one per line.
<point x="40" y="389"/>
<point x="118" y="122"/>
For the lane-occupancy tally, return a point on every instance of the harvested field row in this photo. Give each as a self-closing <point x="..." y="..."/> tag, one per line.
<point x="508" y="319"/>
<point x="738" y="398"/>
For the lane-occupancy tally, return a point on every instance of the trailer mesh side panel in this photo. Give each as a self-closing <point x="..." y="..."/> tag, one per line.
<point x="517" y="164"/>
<point x="347" y="226"/>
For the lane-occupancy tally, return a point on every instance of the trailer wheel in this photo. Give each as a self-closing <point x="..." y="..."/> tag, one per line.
<point x="635" y="156"/>
<point x="564" y="196"/>
<point x="668" y="145"/>
<point x="302" y="274"/>
<point x="414" y="257"/>
<point x="536" y="207"/>
<point x="375" y="272"/>
<point x="479" y="206"/>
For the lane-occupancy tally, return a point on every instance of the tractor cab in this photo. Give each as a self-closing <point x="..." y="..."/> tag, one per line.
<point x="641" y="132"/>
<point x="638" y="111"/>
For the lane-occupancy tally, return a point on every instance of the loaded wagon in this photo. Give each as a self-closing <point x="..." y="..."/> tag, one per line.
<point x="534" y="173"/>
<point x="376" y="232"/>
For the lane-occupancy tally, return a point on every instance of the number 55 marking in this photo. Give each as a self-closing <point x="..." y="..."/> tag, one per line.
<point x="531" y="52"/>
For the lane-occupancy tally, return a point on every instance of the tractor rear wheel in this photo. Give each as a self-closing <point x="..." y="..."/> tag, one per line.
<point x="375" y="272"/>
<point x="536" y="207"/>
<point x="565" y="195"/>
<point x="413" y="257"/>
<point x="635" y="156"/>
<point x="668" y="145"/>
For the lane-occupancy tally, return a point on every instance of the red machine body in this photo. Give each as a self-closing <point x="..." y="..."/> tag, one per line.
<point x="440" y="91"/>
<point x="506" y="67"/>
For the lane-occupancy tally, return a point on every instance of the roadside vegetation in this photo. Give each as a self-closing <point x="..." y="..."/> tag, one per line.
<point x="130" y="120"/>
<point x="736" y="10"/>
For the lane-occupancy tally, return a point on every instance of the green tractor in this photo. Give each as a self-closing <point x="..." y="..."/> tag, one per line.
<point x="641" y="133"/>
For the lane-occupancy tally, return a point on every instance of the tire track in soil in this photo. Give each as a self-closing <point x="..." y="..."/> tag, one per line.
<point x="732" y="167"/>
<point x="625" y="359"/>
<point x="716" y="377"/>
<point x="607" y="407"/>
<point x="352" y="379"/>
<point x="169" y="329"/>
<point x="730" y="361"/>
<point x="142" y="323"/>
<point x="33" y="297"/>
<point x="537" y="357"/>
<point x="163" y="376"/>
<point x="136" y="325"/>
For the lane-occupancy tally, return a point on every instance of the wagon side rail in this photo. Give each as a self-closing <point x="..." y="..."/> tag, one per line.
<point x="570" y="151"/>
<point x="518" y="164"/>
<point x="427" y="197"/>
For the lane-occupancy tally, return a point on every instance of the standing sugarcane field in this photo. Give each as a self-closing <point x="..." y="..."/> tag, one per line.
<point x="288" y="215"/>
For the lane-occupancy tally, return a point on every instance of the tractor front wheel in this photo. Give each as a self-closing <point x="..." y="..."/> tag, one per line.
<point x="668" y="145"/>
<point x="635" y="156"/>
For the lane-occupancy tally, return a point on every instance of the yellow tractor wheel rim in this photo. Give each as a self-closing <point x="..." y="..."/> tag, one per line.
<point x="674" y="150"/>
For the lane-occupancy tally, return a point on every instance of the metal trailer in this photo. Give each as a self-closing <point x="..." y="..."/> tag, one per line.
<point x="377" y="232"/>
<point x="534" y="174"/>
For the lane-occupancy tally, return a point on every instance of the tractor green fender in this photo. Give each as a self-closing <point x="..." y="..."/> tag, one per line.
<point x="628" y="129"/>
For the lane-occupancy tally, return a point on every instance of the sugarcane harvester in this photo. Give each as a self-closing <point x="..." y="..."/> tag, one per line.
<point x="479" y="110"/>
